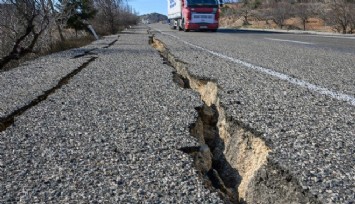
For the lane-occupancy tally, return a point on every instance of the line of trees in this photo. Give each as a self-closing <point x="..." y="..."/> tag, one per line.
<point x="340" y="14"/>
<point x="30" y="26"/>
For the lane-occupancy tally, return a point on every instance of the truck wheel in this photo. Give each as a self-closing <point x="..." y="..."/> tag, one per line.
<point x="172" y="24"/>
<point x="183" y="26"/>
<point x="179" y="24"/>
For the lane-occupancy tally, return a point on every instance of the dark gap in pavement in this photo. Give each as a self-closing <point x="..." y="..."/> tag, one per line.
<point x="111" y="43"/>
<point x="7" y="121"/>
<point x="181" y="81"/>
<point x="248" y="174"/>
<point x="87" y="52"/>
<point x="208" y="158"/>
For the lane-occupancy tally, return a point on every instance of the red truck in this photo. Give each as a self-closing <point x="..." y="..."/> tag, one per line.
<point x="189" y="15"/>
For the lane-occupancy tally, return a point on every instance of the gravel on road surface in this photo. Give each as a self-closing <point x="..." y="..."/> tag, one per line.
<point x="310" y="135"/>
<point x="111" y="134"/>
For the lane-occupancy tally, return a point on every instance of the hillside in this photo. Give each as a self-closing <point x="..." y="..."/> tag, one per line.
<point x="319" y="16"/>
<point x="153" y="18"/>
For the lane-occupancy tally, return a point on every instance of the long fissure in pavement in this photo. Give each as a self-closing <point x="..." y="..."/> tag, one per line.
<point x="232" y="159"/>
<point x="7" y="121"/>
<point x="111" y="43"/>
<point x="85" y="53"/>
<point x="88" y="52"/>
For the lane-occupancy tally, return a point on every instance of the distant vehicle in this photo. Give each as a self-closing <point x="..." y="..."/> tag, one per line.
<point x="193" y="14"/>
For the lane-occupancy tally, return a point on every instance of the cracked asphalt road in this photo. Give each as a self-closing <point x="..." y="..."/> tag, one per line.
<point x="111" y="134"/>
<point x="287" y="91"/>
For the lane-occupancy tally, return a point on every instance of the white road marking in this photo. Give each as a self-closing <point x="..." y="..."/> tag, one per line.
<point x="292" y="41"/>
<point x="331" y="36"/>
<point x="299" y="82"/>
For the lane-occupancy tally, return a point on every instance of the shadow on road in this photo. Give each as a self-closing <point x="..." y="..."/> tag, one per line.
<point x="228" y="30"/>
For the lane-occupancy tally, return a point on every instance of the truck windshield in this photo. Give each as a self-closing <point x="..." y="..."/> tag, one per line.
<point x="202" y="2"/>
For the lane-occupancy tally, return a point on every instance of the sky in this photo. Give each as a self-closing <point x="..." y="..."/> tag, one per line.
<point x="149" y="6"/>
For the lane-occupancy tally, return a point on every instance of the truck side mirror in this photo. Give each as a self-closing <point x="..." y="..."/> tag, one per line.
<point x="221" y="3"/>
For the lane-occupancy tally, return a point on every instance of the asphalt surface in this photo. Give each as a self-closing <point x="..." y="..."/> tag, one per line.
<point x="297" y="90"/>
<point x="109" y="134"/>
<point x="111" y="131"/>
<point x="24" y="84"/>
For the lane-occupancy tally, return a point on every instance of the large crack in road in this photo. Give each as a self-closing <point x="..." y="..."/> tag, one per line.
<point x="232" y="158"/>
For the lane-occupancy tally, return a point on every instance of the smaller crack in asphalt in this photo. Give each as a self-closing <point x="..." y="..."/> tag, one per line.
<point x="7" y="121"/>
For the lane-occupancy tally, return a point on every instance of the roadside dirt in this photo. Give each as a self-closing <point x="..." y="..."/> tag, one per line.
<point x="313" y="24"/>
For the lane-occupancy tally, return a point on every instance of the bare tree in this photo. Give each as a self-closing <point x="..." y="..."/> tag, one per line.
<point x="128" y="16"/>
<point x="8" y="25"/>
<point x="304" y="11"/>
<point x="113" y="15"/>
<point x="56" y="19"/>
<point x="340" y="15"/>
<point x="352" y="19"/>
<point x="280" y="11"/>
<point x="248" y="9"/>
<point x="109" y="13"/>
<point x="31" y="20"/>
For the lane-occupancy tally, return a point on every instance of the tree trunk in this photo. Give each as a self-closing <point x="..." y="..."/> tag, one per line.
<point x="304" y="24"/>
<point x="56" y="22"/>
<point x="18" y="51"/>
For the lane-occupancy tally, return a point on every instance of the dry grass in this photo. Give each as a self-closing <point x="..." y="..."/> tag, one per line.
<point x="69" y="44"/>
<point x="53" y="48"/>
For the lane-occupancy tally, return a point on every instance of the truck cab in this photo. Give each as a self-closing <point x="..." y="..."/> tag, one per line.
<point x="194" y="14"/>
